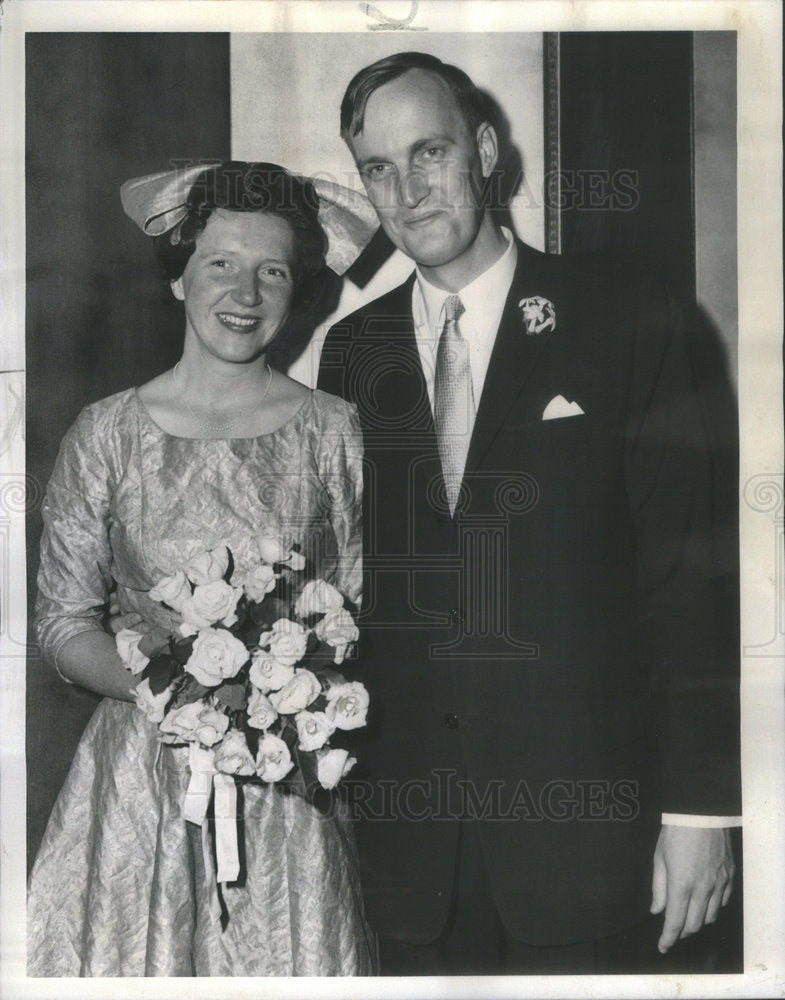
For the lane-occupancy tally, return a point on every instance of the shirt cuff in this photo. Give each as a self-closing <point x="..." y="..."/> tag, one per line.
<point x="706" y="822"/>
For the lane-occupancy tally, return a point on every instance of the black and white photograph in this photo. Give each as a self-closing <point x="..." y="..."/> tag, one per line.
<point x="391" y="502"/>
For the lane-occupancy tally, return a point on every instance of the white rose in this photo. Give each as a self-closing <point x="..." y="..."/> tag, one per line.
<point x="211" y="603"/>
<point x="196" y="722"/>
<point x="211" y="726"/>
<point x="172" y="590"/>
<point x="215" y="657"/>
<point x="268" y="674"/>
<point x="232" y="756"/>
<point x="338" y="630"/>
<point x="297" y="694"/>
<point x="296" y="560"/>
<point x="153" y="705"/>
<point x="272" y="548"/>
<point x="332" y="765"/>
<point x="347" y="705"/>
<point x="245" y="553"/>
<point x="287" y="641"/>
<point x="127" y="642"/>
<point x="261" y="712"/>
<point x="314" y="729"/>
<point x="258" y="581"/>
<point x="182" y="722"/>
<point x="273" y="761"/>
<point x="318" y="597"/>
<point x="208" y="566"/>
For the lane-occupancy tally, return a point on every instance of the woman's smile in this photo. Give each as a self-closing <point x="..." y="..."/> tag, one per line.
<point x="240" y="324"/>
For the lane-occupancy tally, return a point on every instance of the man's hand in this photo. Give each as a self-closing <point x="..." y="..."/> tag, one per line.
<point x="693" y="877"/>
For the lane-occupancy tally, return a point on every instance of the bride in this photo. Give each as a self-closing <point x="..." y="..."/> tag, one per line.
<point x="216" y="450"/>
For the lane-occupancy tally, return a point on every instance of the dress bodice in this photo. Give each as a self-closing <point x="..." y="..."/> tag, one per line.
<point x="128" y="504"/>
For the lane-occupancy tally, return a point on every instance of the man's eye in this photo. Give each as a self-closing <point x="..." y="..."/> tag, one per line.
<point x="377" y="171"/>
<point x="219" y="263"/>
<point x="276" y="272"/>
<point x="432" y="153"/>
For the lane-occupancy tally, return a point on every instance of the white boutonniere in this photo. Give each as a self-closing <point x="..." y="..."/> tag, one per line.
<point x="538" y="314"/>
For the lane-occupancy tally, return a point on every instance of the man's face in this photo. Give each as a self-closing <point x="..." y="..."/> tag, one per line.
<point x="423" y="168"/>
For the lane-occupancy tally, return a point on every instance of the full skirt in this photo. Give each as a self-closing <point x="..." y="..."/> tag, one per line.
<point x="119" y="885"/>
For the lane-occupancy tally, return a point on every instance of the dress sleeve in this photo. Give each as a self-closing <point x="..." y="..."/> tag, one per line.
<point x="341" y="472"/>
<point x="74" y="576"/>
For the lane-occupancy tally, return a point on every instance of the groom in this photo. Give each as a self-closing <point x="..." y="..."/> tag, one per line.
<point x="553" y="704"/>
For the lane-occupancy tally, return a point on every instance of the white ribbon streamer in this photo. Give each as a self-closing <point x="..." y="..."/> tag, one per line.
<point x="205" y="781"/>
<point x="197" y="795"/>
<point x="226" y="848"/>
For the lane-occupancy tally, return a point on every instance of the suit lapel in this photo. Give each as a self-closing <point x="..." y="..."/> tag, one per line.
<point x="514" y="358"/>
<point x="390" y="369"/>
<point x="515" y="354"/>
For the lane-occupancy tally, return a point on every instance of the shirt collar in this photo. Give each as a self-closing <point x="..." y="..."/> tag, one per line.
<point x="475" y="295"/>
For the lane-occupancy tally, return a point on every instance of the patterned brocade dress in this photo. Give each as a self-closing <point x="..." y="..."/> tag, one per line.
<point x="119" y="885"/>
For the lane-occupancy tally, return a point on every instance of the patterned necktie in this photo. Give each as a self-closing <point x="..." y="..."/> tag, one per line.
<point x="453" y="399"/>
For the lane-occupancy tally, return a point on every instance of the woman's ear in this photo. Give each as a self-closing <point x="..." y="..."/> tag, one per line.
<point x="177" y="289"/>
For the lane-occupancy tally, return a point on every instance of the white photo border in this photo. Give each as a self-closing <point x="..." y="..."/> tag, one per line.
<point x="758" y="24"/>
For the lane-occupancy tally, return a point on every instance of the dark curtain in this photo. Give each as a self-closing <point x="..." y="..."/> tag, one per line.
<point x="625" y="109"/>
<point x="626" y="149"/>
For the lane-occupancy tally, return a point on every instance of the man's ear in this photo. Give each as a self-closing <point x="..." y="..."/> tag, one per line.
<point x="488" y="147"/>
<point x="177" y="289"/>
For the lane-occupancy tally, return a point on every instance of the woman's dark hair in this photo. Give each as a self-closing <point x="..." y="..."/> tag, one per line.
<point x="238" y="186"/>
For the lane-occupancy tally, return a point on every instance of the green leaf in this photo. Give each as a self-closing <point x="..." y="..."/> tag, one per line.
<point x="241" y="611"/>
<point x="232" y="694"/>
<point x="192" y="690"/>
<point x="268" y="611"/>
<point x="249" y="634"/>
<point x="319" y="655"/>
<point x="181" y="649"/>
<point x="160" y="672"/>
<point x="331" y="676"/>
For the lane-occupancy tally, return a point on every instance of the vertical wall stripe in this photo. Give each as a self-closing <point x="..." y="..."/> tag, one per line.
<point x="715" y="194"/>
<point x="552" y="142"/>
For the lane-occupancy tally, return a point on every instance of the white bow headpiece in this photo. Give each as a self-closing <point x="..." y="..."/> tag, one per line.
<point x="157" y="202"/>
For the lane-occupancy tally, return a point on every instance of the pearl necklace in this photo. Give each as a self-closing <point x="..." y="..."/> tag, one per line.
<point x="240" y="416"/>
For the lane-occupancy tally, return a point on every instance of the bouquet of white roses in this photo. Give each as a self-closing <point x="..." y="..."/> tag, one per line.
<point x="249" y="684"/>
<point x="251" y="678"/>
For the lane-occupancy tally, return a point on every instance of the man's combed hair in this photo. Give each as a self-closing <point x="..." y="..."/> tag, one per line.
<point x="470" y="100"/>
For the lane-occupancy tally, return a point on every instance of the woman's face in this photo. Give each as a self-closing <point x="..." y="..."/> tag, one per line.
<point x="238" y="284"/>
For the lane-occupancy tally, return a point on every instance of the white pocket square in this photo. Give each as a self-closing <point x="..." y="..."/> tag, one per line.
<point x="559" y="407"/>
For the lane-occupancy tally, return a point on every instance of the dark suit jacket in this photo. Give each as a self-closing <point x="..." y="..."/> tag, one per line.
<point x="553" y="662"/>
